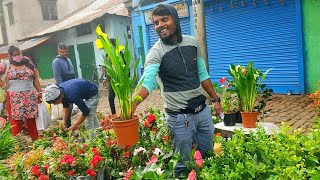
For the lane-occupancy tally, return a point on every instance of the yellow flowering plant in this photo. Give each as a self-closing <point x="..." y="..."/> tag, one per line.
<point x="122" y="71"/>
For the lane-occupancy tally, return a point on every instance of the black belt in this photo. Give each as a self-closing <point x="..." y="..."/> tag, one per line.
<point x="188" y="110"/>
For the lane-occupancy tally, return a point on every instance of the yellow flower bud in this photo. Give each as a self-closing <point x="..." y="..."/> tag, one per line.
<point x="100" y="33"/>
<point x="99" y="44"/>
<point x="120" y="48"/>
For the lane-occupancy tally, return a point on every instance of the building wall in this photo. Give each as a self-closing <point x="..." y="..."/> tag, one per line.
<point x="28" y="16"/>
<point x="66" y="7"/>
<point x="311" y="28"/>
<point x="1" y="38"/>
<point x="115" y="26"/>
<point x="44" y="56"/>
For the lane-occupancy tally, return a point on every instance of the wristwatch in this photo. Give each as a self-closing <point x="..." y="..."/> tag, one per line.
<point x="214" y="100"/>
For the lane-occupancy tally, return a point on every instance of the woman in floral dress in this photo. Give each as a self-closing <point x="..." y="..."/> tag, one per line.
<point x="23" y="93"/>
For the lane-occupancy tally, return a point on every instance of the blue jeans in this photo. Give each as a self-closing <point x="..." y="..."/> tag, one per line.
<point x="187" y="129"/>
<point x="91" y="121"/>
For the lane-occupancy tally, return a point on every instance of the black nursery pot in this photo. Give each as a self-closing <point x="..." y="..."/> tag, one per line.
<point x="229" y="119"/>
<point x="238" y="117"/>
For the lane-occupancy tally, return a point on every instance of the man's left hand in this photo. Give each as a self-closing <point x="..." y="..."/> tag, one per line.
<point x="217" y="108"/>
<point x="73" y="127"/>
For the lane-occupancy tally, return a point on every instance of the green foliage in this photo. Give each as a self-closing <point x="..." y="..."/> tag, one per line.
<point x="283" y="155"/>
<point x="257" y="156"/>
<point x="118" y="68"/>
<point x="316" y="100"/>
<point x="100" y="116"/>
<point x="7" y="142"/>
<point x="262" y="99"/>
<point x="42" y="143"/>
<point x="215" y="119"/>
<point x="4" y="172"/>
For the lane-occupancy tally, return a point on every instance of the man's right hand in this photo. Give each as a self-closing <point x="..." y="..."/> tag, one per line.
<point x="135" y="105"/>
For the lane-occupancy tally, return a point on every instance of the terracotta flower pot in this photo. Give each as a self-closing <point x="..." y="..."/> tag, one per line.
<point x="249" y="119"/>
<point x="126" y="131"/>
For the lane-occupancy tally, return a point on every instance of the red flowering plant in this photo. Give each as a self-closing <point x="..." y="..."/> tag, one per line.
<point x="28" y="165"/>
<point x="153" y="156"/>
<point x="154" y="131"/>
<point x="316" y="100"/>
<point x="116" y="159"/>
<point x="150" y="121"/>
<point x="41" y="172"/>
<point x="229" y="98"/>
<point x="77" y="157"/>
<point x="74" y="156"/>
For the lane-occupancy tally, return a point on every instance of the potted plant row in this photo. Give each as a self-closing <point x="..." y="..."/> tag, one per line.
<point x="123" y="75"/>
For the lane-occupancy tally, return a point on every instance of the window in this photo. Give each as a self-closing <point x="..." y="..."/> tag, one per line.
<point x="49" y="9"/>
<point x="10" y="12"/>
<point x="83" y="29"/>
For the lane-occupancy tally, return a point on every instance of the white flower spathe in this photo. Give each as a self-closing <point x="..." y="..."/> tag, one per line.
<point x="159" y="171"/>
<point x="157" y="151"/>
<point x="137" y="151"/>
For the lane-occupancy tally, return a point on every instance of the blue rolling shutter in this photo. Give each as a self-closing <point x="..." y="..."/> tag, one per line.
<point x="265" y="34"/>
<point x="153" y="36"/>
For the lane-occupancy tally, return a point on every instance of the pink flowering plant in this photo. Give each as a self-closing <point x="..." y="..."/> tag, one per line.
<point x="229" y="97"/>
<point x="195" y="165"/>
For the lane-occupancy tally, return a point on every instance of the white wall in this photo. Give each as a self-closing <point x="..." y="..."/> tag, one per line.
<point x="66" y="7"/>
<point x="114" y="25"/>
<point x="117" y="27"/>
<point x="28" y="16"/>
<point x="1" y="37"/>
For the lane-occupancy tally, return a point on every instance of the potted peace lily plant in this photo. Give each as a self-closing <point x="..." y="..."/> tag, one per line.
<point x="123" y="75"/>
<point x="247" y="82"/>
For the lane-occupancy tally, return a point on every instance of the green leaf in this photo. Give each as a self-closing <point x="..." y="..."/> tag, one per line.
<point x="172" y="164"/>
<point x="163" y="176"/>
<point x="135" y="176"/>
<point x="150" y="175"/>
<point x="168" y="155"/>
<point x="314" y="159"/>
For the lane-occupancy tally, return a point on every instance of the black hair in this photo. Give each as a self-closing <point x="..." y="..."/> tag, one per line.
<point x="12" y="49"/>
<point x="161" y="10"/>
<point x="62" y="46"/>
<point x="24" y="61"/>
<point x="169" y="10"/>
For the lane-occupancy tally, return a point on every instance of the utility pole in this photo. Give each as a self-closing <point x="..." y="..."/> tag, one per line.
<point x="200" y="32"/>
<point x="200" y="28"/>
